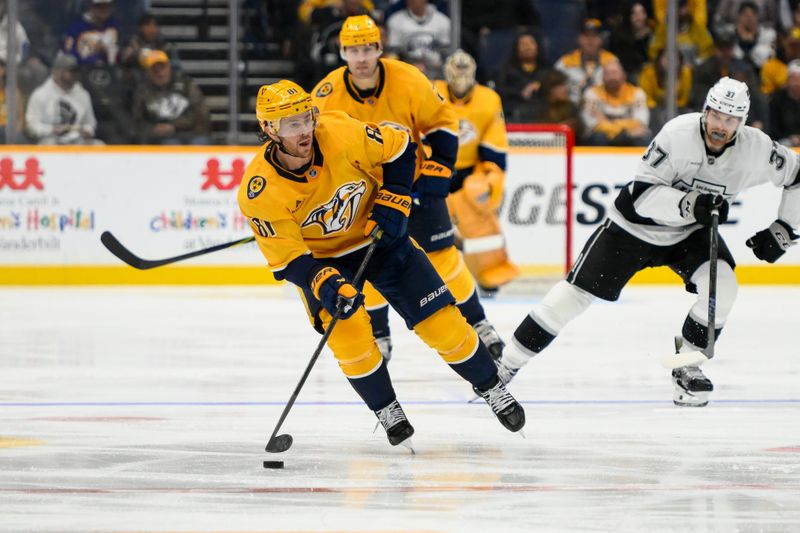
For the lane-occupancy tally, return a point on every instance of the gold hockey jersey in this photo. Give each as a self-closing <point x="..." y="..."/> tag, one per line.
<point x="480" y="123"/>
<point x="324" y="208"/>
<point x="403" y="99"/>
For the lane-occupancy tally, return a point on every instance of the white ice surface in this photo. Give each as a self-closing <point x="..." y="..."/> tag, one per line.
<point x="150" y="409"/>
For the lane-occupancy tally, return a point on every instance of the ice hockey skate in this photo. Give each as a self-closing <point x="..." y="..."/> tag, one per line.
<point x="394" y="421"/>
<point x="490" y="338"/>
<point x="385" y="347"/>
<point x="692" y="387"/>
<point x="505" y="407"/>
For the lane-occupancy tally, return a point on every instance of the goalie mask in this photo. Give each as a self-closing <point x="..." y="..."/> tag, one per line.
<point x="284" y="109"/>
<point x="459" y="71"/>
<point x="730" y="97"/>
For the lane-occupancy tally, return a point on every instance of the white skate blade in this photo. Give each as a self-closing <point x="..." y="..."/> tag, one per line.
<point x="694" y="358"/>
<point x="474" y="399"/>
<point x="408" y="444"/>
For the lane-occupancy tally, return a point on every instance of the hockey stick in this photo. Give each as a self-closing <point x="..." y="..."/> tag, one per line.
<point x="118" y="249"/>
<point x="697" y="357"/>
<point x="281" y="443"/>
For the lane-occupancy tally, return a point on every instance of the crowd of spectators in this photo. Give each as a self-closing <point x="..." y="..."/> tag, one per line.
<point x="94" y="71"/>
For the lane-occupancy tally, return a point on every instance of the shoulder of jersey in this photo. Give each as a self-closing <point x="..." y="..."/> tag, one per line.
<point x="754" y="135"/>
<point x="407" y="72"/>
<point x="486" y="93"/>
<point x="256" y="177"/>
<point x="329" y="83"/>
<point x="682" y="124"/>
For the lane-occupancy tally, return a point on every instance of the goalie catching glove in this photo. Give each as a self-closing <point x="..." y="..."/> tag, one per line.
<point x="390" y="215"/>
<point x="330" y="287"/>
<point x="432" y="184"/>
<point x="771" y="243"/>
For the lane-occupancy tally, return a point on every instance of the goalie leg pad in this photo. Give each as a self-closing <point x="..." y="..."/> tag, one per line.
<point x="449" y="264"/>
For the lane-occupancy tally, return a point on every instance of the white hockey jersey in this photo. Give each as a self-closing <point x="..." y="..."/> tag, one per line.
<point x="676" y="162"/>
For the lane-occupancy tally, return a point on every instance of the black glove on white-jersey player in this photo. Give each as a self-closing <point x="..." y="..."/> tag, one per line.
<point x="700" y="205"/>
<point x="771" y="243"/>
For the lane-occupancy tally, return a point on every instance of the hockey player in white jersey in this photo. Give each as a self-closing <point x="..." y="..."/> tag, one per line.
<point x="696" y="162"/>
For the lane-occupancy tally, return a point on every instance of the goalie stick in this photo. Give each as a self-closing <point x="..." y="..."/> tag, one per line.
<point x="697" y="357"/>
<point x="121" y="252"/>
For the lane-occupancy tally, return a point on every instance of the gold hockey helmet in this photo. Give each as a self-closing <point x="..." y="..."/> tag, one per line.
<point x="281" y="100"/>
<point x="359" y="30"/>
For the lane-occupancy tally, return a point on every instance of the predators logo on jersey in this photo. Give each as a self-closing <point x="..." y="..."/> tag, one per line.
<point x="467" y="133"/>
<point x="340" y="211"/>
<point x="255" y="186"/>
<point x="324" y="90"/>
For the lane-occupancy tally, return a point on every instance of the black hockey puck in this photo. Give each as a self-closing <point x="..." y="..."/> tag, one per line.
<point x="273" y="464"/>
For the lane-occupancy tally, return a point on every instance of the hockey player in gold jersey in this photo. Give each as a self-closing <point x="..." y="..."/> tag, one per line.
<point x="476" y="190"/>
<point x="396" y="94"/>
<point x="314" y="195"/>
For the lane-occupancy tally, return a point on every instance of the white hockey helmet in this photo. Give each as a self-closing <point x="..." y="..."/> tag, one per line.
<point x="731" y="97"/>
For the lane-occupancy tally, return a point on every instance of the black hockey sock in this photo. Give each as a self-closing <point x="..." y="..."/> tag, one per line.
<point x="479" y="369"/>
<point x="375" y="389"/>
<point x="532" y="336"/>
<point x="380" y="321"/>
<point x="472" y="309"/>
<point x="696" y="333"/>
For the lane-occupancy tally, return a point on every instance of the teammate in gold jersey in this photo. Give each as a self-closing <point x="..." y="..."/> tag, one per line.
<point x="476" y="190"/>
<point x="314" y="194"/>
<point x="396" y="94"/>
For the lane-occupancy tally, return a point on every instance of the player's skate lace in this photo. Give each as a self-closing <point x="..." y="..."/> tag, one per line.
<point x="385" y="347"/>
<point x="504" y="406"/>
<point x="394" y="421"/>
<point x="491" y="339"/>
<point x="504" y="372"/>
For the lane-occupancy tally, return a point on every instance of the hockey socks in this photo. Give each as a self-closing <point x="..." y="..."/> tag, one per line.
<point x="380" y="321"/>
<point x="376" y="388"/>
<point x="472" y="309"/>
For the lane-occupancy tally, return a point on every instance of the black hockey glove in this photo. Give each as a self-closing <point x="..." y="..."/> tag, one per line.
<point x="699" y="206"/>
<point x="771" y="243"/>
<point x="330" y="287"/>
<point x="432" y="184"/>
<point x="390" y="214"/>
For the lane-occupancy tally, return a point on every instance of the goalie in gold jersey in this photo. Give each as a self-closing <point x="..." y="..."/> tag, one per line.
<point x="476" y="191"/>
<point x="314" y="193"/>
<point x="396" y="94"/>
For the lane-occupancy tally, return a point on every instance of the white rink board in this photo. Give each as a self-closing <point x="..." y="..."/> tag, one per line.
<point x="155" y="201"/>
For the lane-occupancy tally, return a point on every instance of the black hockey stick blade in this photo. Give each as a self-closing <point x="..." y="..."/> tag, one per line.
<point x="280" y="443"/>
<point x="121" y="252"/>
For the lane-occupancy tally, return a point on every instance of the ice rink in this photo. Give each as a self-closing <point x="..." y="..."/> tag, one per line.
<point x="147" y="409"/>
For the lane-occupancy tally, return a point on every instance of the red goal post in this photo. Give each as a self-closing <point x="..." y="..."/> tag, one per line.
<point x="540" y="165"/>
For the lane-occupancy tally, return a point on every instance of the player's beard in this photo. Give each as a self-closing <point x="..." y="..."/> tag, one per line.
<point x="300" y="147"/>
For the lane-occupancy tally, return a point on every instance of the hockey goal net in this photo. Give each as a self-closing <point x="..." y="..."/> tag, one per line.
<point x="537" y="214"/>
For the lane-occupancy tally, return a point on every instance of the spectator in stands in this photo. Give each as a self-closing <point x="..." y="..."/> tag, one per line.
<point x="719" y="65"/>
<point x="31" y="72"/>
<point x="556" y="106"/>
<point x="727" y="12"/>
<point x="94" y="37"/>
<point x="489" y="28"/>
<point x="419" y="26"/>
<point x="520" y="81"/>
<point x="694" y="40"/>
<point x="653" y="82"/>
<point x="755" y="43"/>
<point x="4" y="105"/>
<point x="305" y="11"/>
<point x="615" y="112"/>
<point x="774" y="71"/>
<point x="60" y="110"/>
<point x="148" y="37"/>
<point x="631" y="40"/>
<point x="584" y="65"/>
<point x="785" y="109"/>
<point x="758" y="116"/>
<point x="169" y="108"/>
